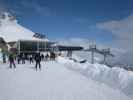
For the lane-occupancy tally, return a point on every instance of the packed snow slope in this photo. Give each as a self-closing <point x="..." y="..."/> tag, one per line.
<point x="11" y="30"/>
<point x="115" y="77"/>
<point x="53" y="82"/>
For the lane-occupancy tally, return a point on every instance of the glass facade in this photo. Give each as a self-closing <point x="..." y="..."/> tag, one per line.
<point x="33" y="46"/>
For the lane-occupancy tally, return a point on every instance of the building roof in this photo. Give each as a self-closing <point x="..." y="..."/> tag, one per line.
<point x="10" y="30"/>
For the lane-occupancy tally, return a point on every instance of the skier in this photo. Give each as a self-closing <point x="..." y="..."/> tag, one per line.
<point x="42" y="57"/>
<point x="18" y="59"/>
<point x="47" y="57"/>
<point x="11" y="60"/>
<point x="4" y="58"/>
<point x="23" y="59"/>
<point x="52" y="56"/>
<point x="38" y="60"/>
<point x="31" y="59"/>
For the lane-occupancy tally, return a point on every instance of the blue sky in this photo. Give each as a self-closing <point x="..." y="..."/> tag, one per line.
<point x="69" y="18"/>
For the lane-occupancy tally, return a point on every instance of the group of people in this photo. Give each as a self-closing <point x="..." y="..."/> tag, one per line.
<point x="37" y="57"/>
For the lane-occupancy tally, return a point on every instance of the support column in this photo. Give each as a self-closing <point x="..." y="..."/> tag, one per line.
<point x="69" y="53"/>
<point x="19" y="47"/>
<point x="45" y="46"/>
<point x="92" y="57"/>
<point x="37" y="46"/>
<point x="104" y="61"/>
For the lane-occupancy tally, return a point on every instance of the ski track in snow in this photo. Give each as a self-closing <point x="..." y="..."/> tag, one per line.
<point x="53" y="82"/>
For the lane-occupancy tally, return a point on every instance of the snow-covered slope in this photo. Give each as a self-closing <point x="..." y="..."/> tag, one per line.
<point x="53" y="82"/>
<point x="10" y="30"/>
<point x="113" y="77"/>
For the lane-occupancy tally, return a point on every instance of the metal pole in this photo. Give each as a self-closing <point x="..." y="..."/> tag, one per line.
<point x="104" y="59"/>
<point x="69" y="53"/>
<point x="92" y="57"/>
<point x="45" y="46"/>
<point x="19" y="47"/>
<point x="37" y="46"/>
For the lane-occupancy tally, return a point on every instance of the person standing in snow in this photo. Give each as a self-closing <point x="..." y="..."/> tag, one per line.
<point x="18" y="58"/>
<point x="38" y="61"/>
<point x="31" y="59"/>
<point x="42" y="57"/>
<point x="11" y="60"/>
<point x="47" y="57"/>
<point x="23" y="59"/>
<point x="4" y="58"/>
<point x="52" y="56"/>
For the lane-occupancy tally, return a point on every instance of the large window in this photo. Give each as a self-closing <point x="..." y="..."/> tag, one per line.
<point x="33" y="46"/>
<point x="28" y="46"/>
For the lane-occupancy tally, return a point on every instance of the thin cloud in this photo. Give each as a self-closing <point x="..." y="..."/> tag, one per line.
<point x="122" y="31"/>
<point x="85" y="43"/>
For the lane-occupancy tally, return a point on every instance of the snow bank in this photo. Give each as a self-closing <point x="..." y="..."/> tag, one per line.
<point x="114" y="77"/>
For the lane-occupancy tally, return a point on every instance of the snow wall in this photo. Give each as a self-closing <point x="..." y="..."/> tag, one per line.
<point x="114" y="77"/>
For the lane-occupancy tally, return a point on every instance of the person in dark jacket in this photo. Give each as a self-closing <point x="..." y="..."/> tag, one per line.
<point x="18" y="59"/>
<point x="38" y="61"/>
<point x="52" y="56"/>
<point x="11" y="60"/>
<point x="4" y="58"/>
<point x="47" y="57"/>
<point x="42" y="57"/>
<point x="23" y="58"/>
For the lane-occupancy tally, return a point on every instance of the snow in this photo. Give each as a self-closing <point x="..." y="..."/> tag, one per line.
<point x="62" y="79"/>
<point x="11" y="30"/>
<point x="53" y="82"/>
<point x="116" y="78"/>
